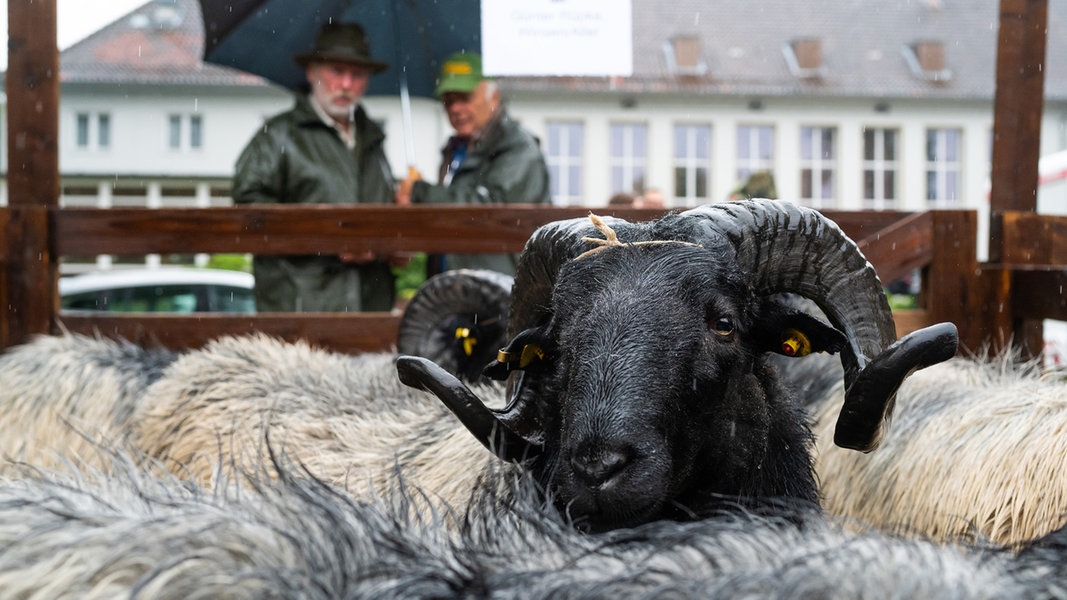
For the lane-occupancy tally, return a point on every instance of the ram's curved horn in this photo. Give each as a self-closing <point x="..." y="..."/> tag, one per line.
<point x="547" y="250"/>
<point x="788" y="248"/>
<point x="869" y="399"/>
<point x="457" y="319"/>
<point x="424" y="374"/>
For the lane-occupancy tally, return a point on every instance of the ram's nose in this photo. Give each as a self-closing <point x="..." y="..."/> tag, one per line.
<point x="596" y="464"/>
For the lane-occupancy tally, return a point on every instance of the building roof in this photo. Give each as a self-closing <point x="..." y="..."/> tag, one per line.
<point x="159" y="43"/>
<point x="864" y="48"/>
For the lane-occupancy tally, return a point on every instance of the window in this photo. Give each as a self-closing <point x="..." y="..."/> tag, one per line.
<point x="103" y="130"/>
<point x="755" y="150"/>
<point x="943" y="177"/>
<point x="685" y="55"/>
<point x="196" y="131"/>
<point x="84" y="132"/>
<point x="692" y="163"/>
<point x="818" y="165"/>
<point x="926" y="60"/>
<point x="174" y="132"/>
<point x="564" y="149"/>
<point x="177" y="125"/>
<point x="879" y="168"/>
<point x="803" y="56"/>
<point x="82" y="136"/>
<point x="629" y="157"/>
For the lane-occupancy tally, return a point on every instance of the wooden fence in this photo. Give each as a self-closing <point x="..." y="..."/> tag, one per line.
<point x="992" y="304"/>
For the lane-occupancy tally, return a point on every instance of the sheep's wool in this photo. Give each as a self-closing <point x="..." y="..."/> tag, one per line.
<point x="975" y="449"/>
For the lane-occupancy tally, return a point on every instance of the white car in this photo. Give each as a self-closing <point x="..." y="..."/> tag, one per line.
<point x="164" y="289"/>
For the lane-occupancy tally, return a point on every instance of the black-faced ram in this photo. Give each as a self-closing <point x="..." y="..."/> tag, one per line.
<point x="639" y="388"/>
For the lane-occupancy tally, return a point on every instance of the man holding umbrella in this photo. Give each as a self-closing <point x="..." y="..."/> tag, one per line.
<point x="324" y="150"/>
<point x="489" y="160"/>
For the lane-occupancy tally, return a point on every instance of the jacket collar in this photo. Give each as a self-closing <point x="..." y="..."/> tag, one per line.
<point x="493" y="131"/>
<point x="367" y="131"/>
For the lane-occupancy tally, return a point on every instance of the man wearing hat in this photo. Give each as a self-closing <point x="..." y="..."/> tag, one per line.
<point x="324" y="150"/>
<point x="489" y="160"/>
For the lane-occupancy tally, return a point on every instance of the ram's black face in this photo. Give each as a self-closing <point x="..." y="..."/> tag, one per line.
<point x="648" y="398"/>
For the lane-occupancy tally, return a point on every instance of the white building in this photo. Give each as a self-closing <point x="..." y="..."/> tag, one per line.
<point x="852" y="104"/>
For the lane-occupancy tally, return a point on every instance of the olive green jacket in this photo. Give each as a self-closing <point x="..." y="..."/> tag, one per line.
<point x="297" y="158"/>
<point x="503" y="166"/>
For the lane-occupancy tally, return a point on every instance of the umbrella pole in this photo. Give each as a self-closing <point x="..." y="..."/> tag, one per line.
<point x="405" y="117"/>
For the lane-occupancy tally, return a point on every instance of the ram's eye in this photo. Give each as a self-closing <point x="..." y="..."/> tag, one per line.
<point x="723" y="326"/>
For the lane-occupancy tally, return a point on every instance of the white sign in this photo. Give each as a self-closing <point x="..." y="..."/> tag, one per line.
<point x="557" y="37"/>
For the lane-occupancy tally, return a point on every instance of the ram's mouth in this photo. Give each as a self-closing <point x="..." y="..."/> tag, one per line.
<point x="596" y="515"/>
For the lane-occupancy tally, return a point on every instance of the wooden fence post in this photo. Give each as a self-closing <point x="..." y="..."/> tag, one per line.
<point x="32" y="86"/>
<point x="1018" y="105"/>
<point x="958" y="290"/>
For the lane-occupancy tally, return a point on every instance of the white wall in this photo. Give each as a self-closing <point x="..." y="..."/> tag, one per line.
<point x="139" y="131"/>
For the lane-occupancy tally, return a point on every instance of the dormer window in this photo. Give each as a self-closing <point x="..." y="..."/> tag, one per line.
<point x="804" y="57"/>
<point x="926" y="59"/>
<point x="685" y="55"/>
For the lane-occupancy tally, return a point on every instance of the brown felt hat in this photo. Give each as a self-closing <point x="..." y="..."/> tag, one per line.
<point x="342" y="42"/>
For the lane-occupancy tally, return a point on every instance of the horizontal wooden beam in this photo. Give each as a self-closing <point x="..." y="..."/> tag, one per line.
<point x="344" y="332"/>
<point x="1043" y="297"/>
<point x="865" y="224"/>
<point x="1033" y="241"/>
<point x="901" y="247"/>
<point x="310" y="229"/>
<point x="911" y="319"/>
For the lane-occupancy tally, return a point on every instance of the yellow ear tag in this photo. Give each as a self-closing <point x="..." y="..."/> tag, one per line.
<point x="795" y="343"/>
<point x="464" y="333"/>
<point x="530" y="352"/>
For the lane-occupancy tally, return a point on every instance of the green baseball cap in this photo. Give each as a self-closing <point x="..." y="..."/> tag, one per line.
<point x="462" y="72"/>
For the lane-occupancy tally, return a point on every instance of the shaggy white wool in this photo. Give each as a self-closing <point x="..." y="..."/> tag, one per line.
<point x="62" y="397"/>
<point x="976" y="450"/>
<point x="346" y="419"/>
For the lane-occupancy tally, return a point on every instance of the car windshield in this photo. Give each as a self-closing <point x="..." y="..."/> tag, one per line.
<point x="130" y="295"/>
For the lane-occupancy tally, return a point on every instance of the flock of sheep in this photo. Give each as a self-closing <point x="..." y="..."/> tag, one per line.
<point x="712" y="404"/>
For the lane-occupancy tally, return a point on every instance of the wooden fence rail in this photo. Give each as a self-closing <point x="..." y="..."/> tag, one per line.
<point x="942" y="244"/>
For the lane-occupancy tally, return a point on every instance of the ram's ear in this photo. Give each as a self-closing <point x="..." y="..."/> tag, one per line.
<point x="791" y="332"/>
<point x="530" y="351"/>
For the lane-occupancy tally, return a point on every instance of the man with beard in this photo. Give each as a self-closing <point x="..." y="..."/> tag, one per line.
<point x="325" y="150"/>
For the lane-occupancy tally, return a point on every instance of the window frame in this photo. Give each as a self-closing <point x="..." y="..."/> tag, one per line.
<point x="566" y="168"/>
<point x="876" y="166"/>
<point x="628" y="163"/>
<point x="818" y="165"/>
<point x="687" y="163"/>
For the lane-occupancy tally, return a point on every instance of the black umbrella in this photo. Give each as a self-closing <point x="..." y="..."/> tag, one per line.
<point x="413" y="36"/>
